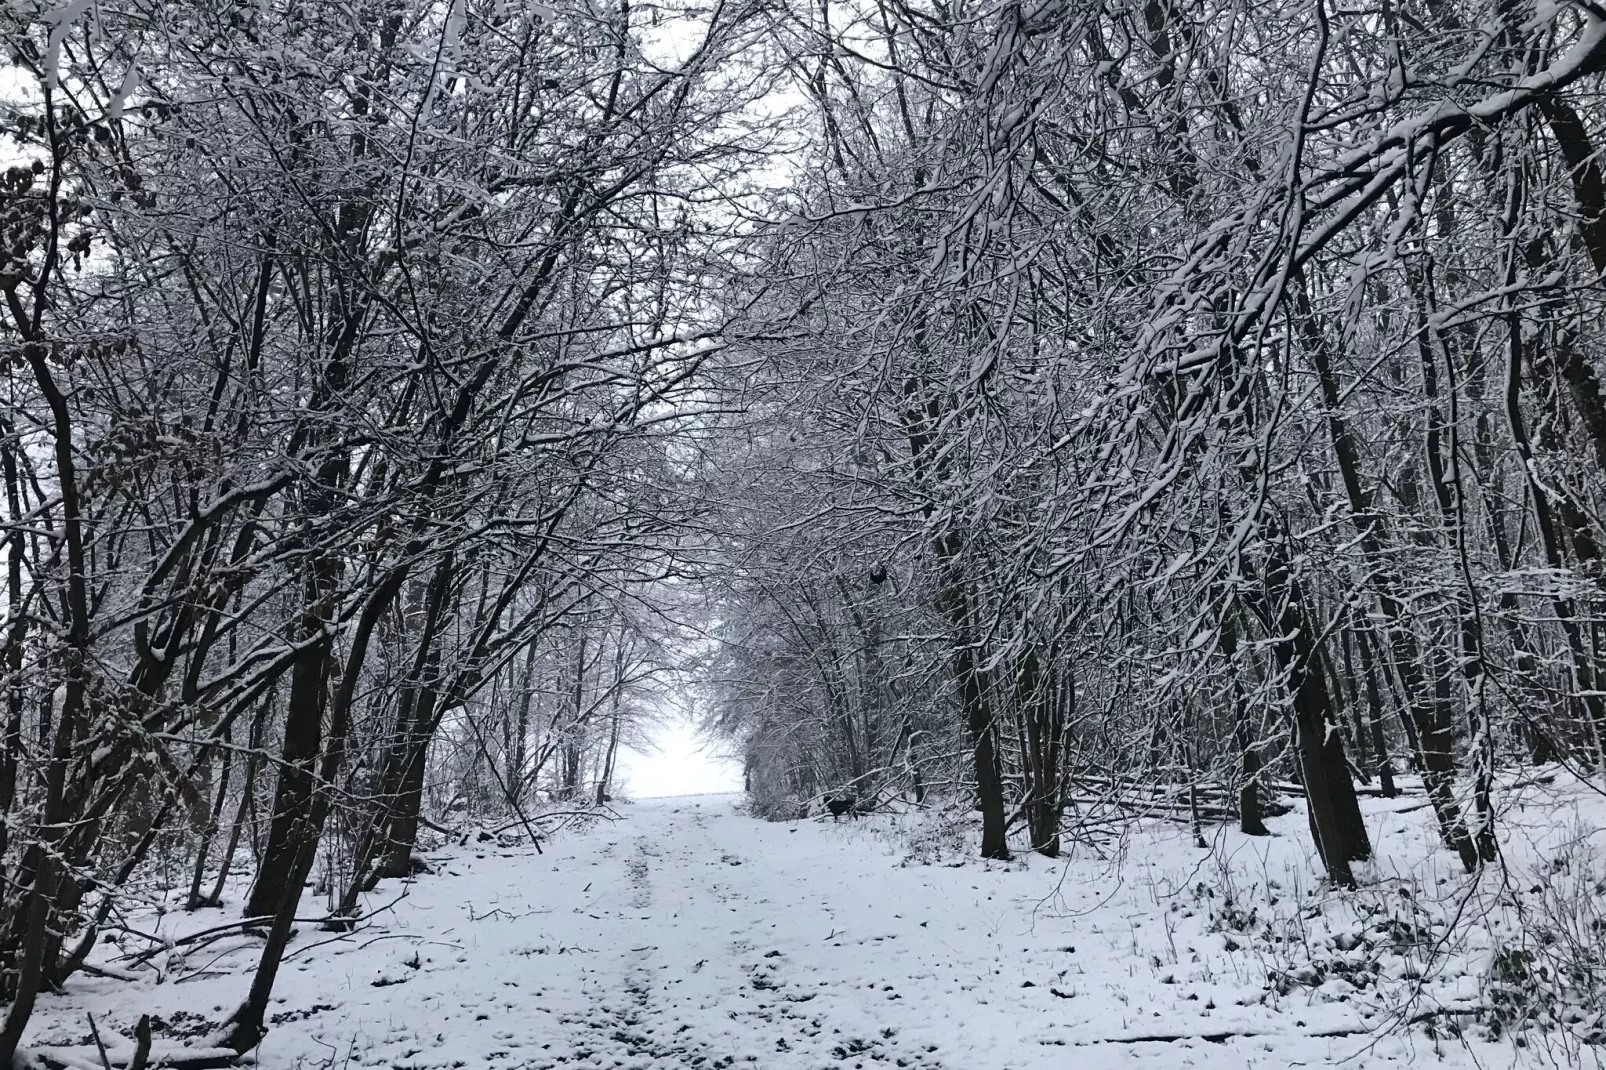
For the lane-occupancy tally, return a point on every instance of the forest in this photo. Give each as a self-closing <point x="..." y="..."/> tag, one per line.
<point x="1049" y="411"/>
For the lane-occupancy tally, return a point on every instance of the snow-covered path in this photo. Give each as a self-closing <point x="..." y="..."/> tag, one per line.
<point x="688" y="935"/>
<point x="714" y="939"/>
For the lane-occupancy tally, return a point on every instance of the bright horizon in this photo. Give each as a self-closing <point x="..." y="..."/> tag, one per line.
<point x="684" y="763"/>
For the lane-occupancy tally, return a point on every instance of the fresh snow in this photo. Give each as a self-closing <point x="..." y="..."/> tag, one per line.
<point x="687" y="934"/>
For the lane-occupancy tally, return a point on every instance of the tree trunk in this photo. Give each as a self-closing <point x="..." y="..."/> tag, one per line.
<point x="615" y="715"/>
<point x="214" y="822"/>
<point x="921" y="417"/>
<point x="1043" y="730"/>
<point x="917" y="781"/>
<point x="246" y="1026"/>
<point x="516" y="773"/>
<point x="1582" y="661"/>
<point x="12" y="659"/>
<point x="402" y="829"/>
<point x="1334" y="811"/>
<point x="376" y="854"/>
<point x="1251" y="818"/>
<point x="569" y="784"/>
<point x="290" y="829"/>
<point x="1374" y="716"/>
<point x="42" y="872"/>
<point x="983" y="731"/>
<point x="1431" y="717"/>
<point x="1360" y="738"/>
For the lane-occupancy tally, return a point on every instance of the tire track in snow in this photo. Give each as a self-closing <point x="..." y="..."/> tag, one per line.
<point x="694" y="978"/>
<point x="710" y="980"/>
<point x="628" y="1028"/>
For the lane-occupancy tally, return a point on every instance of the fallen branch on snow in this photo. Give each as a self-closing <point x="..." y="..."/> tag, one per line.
<point x="1232" y="1034"/>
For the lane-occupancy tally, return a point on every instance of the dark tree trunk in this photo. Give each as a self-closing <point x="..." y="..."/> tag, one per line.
<point x="213" y="823"/>
<point x="1251" y="815"/>
<point x="375" y="855"/>
<point x="517" y="774"/>
<point x="290" y="829"/>
<point x="16" y="634"/>
<point x="248" y="1023"/>
<point x="42" y="872"/>
<point x="1374" y="717"/>
<point x="1038" y="695"/>
<point x="1358" y="731"/>
<point x="922" y="415"/>
<point x="1444" y="470"/>
<point x="402" y="829"/>
<point x="569" y="782"/>
<point x="615" y="715"/>
<point x="983" y="731"/>
<point x="1540" y="497"/>
<point x="1431" y="717"/>
<point x="1334" y="811"/>
<point x="917" y="781"/>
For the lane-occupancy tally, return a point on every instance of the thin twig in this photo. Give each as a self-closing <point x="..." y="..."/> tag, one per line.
<point x="99" y="1044"/>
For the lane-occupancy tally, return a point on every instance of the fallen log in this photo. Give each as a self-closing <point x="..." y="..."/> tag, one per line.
<point x="168" y="1057"/>
<point x="1233" y="1034"/>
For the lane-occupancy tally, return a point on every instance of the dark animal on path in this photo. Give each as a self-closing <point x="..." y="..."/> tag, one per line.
<point x="838" y="807"/>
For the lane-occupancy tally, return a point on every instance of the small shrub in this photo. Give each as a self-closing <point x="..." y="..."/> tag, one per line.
<point x="942" y="836"/>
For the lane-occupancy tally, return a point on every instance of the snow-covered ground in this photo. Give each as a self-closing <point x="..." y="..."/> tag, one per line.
<point x="686" y="934"/>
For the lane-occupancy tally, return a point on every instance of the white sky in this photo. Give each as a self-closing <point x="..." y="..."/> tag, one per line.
<point x="683" y="764"/>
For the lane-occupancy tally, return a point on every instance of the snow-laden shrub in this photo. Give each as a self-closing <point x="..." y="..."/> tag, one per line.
<point x="774" y="805"/>
<point x="938" y="836"/>
<point x="1518" y="951"/>
<point x="1549" y="970"/>
<point x="772" y="795"/>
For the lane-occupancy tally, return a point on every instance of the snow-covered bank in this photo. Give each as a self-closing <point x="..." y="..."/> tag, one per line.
<point x="687" y="934"/>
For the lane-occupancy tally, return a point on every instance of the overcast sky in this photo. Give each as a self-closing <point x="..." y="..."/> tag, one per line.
<point x="684" y="764"/>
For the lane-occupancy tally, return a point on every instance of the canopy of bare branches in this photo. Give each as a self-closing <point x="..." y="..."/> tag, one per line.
<point x="984" y="405"/>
